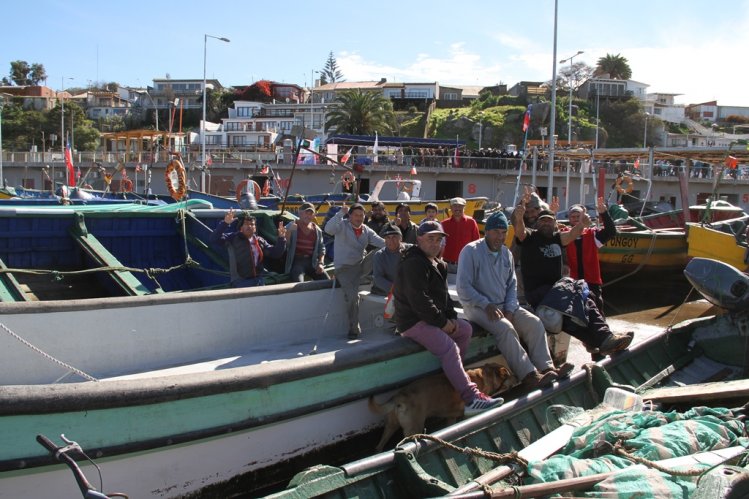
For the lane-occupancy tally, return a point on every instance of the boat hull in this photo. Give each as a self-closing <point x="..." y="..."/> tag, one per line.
<point x="706" y="241"/>
<point x="642" y="250"/>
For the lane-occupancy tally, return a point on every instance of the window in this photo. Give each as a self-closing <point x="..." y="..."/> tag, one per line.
<point x="239" y="140"/>
<point x="451" y="96"/>
<point x="245" y="112"/>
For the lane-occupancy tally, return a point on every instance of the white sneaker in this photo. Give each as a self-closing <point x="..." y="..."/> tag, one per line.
<point x="482" y="403"/>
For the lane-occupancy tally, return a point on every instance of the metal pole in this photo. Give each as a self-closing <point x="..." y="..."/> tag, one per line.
<point x="569" y="124"/>
<point x="481" y="128"/>
<point x="202" y="123"/>
<point x="553" y="117"/>
<point x="645" y="136"/>
<point x="2" y="179"/>
<point x="598" y="97"/>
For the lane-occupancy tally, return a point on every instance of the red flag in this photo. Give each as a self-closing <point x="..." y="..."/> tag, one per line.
<point x="264" y="170"/>
<point x="637" y="164"/>
<point x="69" y="165"/>
<point x="732" y="162"/>
<point x="456" y="159"/>
<point x="527" y="119"/>
<point x="346" y="156"/>
<point x="413" y="170"/>
<point x="138" y="169"/>
<point x="209" y="161"/>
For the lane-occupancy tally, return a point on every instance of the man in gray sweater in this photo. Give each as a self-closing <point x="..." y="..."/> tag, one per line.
<point x="350" y="258"/>
<point x="487" y="288"/>
<point x="386" y="260"/>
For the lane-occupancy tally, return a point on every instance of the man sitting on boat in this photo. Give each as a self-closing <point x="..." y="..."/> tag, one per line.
<point x="461" y="230"/>
<point x="424" y="313"/>
<point x="582" y="254"/>
<point x="350" y="258"/>
<point x="541" y="261"/>
<point x="247" y="249"/>
<point x="385" y="261"/>
<point x="306" y="251"/>
<point x="378" y="216"/>
<point x="406" y="226"/>
<point x="487" y="288"/>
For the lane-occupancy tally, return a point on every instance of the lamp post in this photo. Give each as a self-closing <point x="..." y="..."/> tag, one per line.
<point x="645" y="135"/>
<point x="2" y="103"/>
<point x="481" y="128"/>
<point x="312" y="98"/>
<point x="62" y="114"/>
<point x="202" y="123"/>
<point x="569" y="125"/>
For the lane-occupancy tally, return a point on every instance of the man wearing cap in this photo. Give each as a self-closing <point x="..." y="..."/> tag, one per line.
<point x="349" y="248"/>
<point x="247" y="250"/>
<point x="306" y="252"/>
<point x="461" y="229"/>
<point x="582" y="253"/>
<point x="385" y="261"/>
<point x="424" y="313"/>
<point x="541" y="261"/>
<point x="487" y="288"/>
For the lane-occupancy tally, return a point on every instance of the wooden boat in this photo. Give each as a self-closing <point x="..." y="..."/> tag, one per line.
<point x="102" y="250"/>
<point x="725" y="241"/>
<point x="666" y="370"/>
<point x="650" y="250"/>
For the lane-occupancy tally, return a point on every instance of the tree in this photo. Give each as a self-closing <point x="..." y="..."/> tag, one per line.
<point x="19" y="72"/>
<point x="361" y="113"/>
<point x="576" y="75"/>
<point x="616" y="66"/>
<point x="37" y="74"/>
<point x="330" y="73"/>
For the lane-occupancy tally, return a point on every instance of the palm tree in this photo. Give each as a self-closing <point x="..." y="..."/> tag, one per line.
<point x="361" y="113"/>
<point x="616" y="66"/>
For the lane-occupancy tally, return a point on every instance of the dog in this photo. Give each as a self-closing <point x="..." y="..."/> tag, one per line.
<point x="434" y="396"/>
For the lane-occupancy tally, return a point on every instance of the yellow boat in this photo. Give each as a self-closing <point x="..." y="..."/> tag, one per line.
<point x="725" y="241"/>
<point x="643" y="250"/>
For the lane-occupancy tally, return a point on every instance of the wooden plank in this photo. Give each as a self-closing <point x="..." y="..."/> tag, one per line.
<point x="705" y="391"/>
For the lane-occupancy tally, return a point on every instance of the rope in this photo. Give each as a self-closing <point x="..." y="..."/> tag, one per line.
<point x="471" y="451"/>
<point x="48" y="356"/>
<point x="642" y="263"/>
<point x="619" y="449"/>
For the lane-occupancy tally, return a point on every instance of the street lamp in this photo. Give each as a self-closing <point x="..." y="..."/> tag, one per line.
<point x="569" y="125"/>
<point x="481" y="127"/>
<point x="312" y="98"/>
<point x="62" y="114"/>
<point x="202" y="123"/>
<point x="645" y="135"/>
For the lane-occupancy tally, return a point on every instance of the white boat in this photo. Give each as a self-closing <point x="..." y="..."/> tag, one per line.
<point x="175" y="392"/>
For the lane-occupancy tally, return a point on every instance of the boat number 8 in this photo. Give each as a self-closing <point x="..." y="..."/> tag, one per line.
<point x="471" y="188"/>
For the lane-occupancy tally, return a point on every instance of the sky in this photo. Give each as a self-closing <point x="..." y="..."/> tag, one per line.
<point x="693" y="48"/>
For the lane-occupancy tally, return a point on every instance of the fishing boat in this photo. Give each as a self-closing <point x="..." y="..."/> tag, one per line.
<point x="725" y="241"/>
<point x="178" y="391"/>
<point x="107" y="250"/>
<point x="688" y="373"/>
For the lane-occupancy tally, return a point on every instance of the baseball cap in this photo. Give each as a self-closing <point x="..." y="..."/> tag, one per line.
<point x="458" y="201"/>
<point x="306" y="207"/>
<point x="430" y="227"/>
<point x="576" y="207"/>
<point x="390" y="230"/>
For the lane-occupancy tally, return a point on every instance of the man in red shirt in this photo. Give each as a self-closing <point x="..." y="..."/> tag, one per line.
<point x="461" y="230"/>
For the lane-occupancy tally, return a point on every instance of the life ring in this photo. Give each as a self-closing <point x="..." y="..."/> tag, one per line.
<point x="242" y="186"/>
<point x="176" y="179"/>
<point x="126" y="185"/>
<point x="347" y="179"/>
<point x="624" y="184"/>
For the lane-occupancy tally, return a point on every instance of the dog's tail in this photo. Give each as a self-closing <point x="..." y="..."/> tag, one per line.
<point x="381" y="409"/>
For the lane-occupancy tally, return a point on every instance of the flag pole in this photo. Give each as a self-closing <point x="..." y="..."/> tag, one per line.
<point x="526" y="126"/>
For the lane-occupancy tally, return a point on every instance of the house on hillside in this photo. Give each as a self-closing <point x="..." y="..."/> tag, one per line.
<point x="662" y="106"/>
<point x="530" y="91"/>
<point x="612" y="89"/>
<point x="33" y="97"/>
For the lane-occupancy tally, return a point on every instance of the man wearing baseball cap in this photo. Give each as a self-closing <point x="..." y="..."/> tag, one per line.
<point x="541" y="260"/>
<point x="487" y="288"/>
<point x="424" y="313"/>
<point x="305" y="255"/>
<point x="461" y="229"/>
<point x="385" y="261"/>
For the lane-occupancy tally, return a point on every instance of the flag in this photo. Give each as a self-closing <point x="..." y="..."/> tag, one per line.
<point x="346" y="156"/>
<point x="413" y="170"/>
<point x="138" y="169"/>
<point x="375" y="159"/>
<point x="732" y="162"/>
<point x="77" y="174"/>
<point x="209" y="161"/>
<point x="264" y="170"/>
<point x="637" y="164"/>
<point x="527" y="119"/>
<point x="456" y="159"/>
<point x="69" y="164"/>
